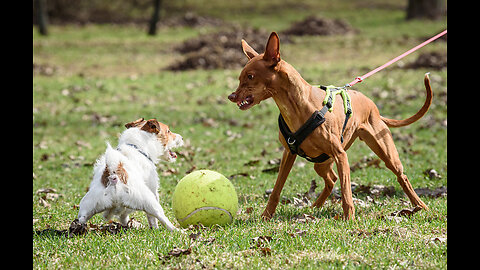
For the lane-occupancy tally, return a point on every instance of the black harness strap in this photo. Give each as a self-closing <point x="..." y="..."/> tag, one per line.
<point x="295" y="139"/>
<point x="318" y="117"/>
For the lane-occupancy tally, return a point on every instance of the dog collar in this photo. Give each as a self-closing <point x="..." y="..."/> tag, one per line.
<point x="140" y="151"/>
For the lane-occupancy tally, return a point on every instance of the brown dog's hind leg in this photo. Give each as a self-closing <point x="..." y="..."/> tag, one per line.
<point x="325" y="170"/>
<point x="285" y="167"/>
<point x="378" y="137"/>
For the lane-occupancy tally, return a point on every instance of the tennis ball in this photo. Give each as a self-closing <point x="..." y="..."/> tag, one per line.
<point x="206" y="197"/>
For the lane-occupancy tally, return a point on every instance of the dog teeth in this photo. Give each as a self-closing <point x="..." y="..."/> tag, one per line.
<point x="243" y="103"/>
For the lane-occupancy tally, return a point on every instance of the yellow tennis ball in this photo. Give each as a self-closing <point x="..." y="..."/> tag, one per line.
<point x="205" y="197"/>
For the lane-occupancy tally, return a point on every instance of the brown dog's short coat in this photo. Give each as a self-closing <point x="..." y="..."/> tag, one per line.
<point x="267" y="75"/>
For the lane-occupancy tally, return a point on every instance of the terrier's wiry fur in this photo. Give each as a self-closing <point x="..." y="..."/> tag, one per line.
<point x="125" y="179"/>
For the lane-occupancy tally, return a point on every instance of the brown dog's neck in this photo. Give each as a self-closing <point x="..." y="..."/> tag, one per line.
<point x="292" y="94"/>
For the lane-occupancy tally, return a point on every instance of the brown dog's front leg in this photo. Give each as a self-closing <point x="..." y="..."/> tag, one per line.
<point x="344" y="174"/>
<point x="285" y="167"/>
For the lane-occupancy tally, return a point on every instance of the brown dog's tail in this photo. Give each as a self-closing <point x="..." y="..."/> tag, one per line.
<point x="419" y="114"/>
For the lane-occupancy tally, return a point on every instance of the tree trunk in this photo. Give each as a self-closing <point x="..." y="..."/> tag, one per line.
<point x="42" y="17"/>
<point x="425" y="9"/>
<point x="152" y="29"/>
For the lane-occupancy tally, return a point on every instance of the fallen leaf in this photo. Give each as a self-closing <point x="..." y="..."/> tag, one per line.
<point x="375" y="190"/>
<point x="304" y="218"/>
<point x="406" y="212"/>
<point x="77" y="228"/>
<point x="438" y="192"/>
<point x="83" y="144"/>
<point x="432" y="174"/>
<point x="198" y="226"/>
<point x="262" y="243"/>
<point x="179" y="251"/>
<point x="46" y="190"/>
<point x="394" y="218"/>
<point x="360" y="202"/>
<point x="43" y="202"/>
<point x="175" y="252"/>
<point x="193" y="168"/>
<point x="310" y="194"/>
<point x="272" y="170"/>
<point x="259" y="240"/>
<point x="301" y="202"/>
<point x="195" y="236"/>
<point x="235" y="175"/>
<point x="438" y="239"/>
<point x="135" y="224"/>
<point x="112" y="227"/>
<point x="252" y="162"/>
<point x="298" y="232"/>
<point x="265" y="251"/>
<point x="169" y="172"/>
<point x="285" y="200"/>
<point x="275" y="161"/>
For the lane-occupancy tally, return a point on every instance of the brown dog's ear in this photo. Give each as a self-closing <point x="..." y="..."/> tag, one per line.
<point x="151" y="126"/>
<point x="272" y="50"/>
<point x="247" y="50"/>
<point x="135" y="123"/>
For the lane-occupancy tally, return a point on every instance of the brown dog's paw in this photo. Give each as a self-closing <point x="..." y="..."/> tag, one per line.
<point x="266" y="216"/>
<point x="422" y="206"/>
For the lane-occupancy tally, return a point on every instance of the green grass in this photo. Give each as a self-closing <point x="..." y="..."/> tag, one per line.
<point x="105" y="76"/>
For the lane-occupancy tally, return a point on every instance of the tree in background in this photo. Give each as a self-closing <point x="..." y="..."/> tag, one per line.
<point x="152" y="29"/>
<point x="425" y="9"/>
<point x="40" y="6"/>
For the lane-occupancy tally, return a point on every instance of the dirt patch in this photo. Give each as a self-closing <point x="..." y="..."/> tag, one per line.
<point x="190" y="19"/>
<point x="433" y="60"/>
<point x="313" y="25"/>
<point x="220" y="50"/>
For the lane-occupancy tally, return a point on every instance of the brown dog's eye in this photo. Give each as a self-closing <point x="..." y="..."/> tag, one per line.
<point x="250" y="76"/>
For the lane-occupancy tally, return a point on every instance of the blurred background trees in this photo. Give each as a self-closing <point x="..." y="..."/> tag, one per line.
<point x="149" y="12"/>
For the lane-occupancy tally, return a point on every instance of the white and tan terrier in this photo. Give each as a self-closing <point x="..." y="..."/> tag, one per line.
<point x="125" y="179"/>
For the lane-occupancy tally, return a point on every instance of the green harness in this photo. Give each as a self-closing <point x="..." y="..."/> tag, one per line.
<point x="331" y="92"/>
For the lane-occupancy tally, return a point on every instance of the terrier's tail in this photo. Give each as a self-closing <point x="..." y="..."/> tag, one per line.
<point x="114" y="167"/>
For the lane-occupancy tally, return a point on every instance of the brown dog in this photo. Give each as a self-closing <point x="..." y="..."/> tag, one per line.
<point x="266" y="75"/>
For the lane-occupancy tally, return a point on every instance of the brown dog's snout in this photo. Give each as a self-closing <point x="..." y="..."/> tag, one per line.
<point x="232" y="97"/>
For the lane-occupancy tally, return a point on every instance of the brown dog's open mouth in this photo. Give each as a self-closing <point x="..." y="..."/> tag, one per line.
<point x="246" y="103"/>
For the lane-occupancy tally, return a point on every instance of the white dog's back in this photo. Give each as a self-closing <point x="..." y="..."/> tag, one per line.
<point x="125" y="179"/>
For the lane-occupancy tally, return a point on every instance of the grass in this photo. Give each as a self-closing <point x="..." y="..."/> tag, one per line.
<point x="106" y="75"/>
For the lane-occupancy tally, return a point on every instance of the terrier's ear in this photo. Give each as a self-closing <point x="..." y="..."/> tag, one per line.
<point x="151" y="126"/>
<point x="247" y="50"/>
<point x="272" y="50"/>
<point x="135" y="123"/>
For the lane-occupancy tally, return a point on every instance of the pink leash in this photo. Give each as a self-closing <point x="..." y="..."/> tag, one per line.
<point x="361" y="78"/>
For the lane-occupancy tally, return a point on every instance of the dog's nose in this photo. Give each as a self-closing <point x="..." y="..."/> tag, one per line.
<point x="232" y="97"/>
